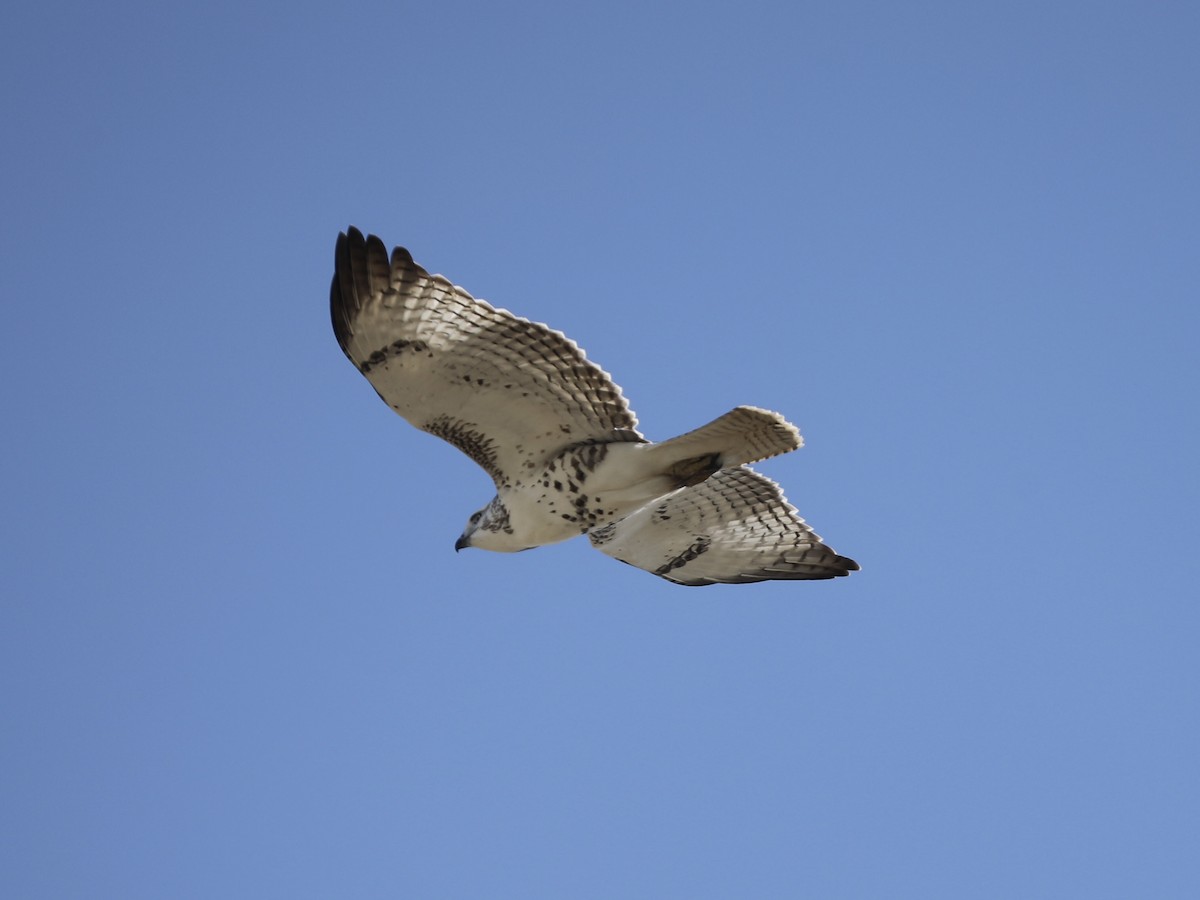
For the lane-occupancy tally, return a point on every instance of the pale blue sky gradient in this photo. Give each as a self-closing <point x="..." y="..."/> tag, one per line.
<point x="958" y="244"/>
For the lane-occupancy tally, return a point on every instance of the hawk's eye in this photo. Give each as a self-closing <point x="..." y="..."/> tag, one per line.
<point x="475" y="517"/>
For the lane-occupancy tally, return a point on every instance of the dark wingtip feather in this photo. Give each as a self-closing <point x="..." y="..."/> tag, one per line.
<point x="339" y="298"/>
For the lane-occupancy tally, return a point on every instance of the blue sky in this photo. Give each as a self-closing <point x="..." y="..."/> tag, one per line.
<point x="955" y="243"/>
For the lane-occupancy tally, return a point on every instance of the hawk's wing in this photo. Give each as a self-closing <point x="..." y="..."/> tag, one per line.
<point x="506" y="391"/>
<point x="733" y="528"/>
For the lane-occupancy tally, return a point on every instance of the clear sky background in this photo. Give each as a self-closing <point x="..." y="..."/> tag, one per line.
<point x="957" y="243"/>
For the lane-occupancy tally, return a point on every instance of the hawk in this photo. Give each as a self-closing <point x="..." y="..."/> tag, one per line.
<point x="558" y="439"/>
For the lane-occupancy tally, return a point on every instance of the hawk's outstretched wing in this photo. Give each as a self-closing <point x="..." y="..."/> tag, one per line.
<point x="506" y="391"/>
<point x="734" y="528"/>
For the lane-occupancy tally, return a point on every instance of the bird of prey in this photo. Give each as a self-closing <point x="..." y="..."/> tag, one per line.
<point x="558" y="439"/>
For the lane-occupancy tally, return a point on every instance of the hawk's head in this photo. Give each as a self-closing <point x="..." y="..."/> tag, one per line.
<point x="490" y="529"/>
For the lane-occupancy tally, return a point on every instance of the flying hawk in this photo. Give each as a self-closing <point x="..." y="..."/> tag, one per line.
<point x="558" y="439"/>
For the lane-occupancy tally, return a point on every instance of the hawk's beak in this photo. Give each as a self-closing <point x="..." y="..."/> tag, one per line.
<point x="463" y="541"/>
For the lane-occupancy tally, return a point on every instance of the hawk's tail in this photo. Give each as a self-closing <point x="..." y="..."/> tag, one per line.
<point x="743" y="435"/>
